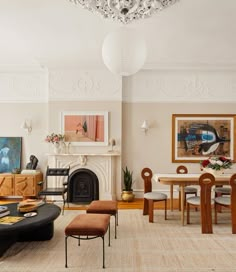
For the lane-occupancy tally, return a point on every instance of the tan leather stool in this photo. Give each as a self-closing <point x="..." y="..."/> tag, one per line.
<point x="105" y="207"/>
<point x="90" y="225"/>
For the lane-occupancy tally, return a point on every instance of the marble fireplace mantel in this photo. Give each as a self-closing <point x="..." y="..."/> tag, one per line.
<point x="103" y="165"/>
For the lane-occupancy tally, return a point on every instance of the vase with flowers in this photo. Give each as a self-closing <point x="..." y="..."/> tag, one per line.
<point x="56" y="140"/>
<point x="216" y="165"/>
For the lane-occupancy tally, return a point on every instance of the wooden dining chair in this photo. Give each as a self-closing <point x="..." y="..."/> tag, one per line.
<point x="228" y="202"/>
<point x="151" y="197"/>
<point x="188" y="190"/>
<point x="204" y="201"/>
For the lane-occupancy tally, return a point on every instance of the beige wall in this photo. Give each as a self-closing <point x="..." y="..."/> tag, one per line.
<point x="152" y="95"/>
<point x="12" y="115"/>
<point x="154" y="149"/>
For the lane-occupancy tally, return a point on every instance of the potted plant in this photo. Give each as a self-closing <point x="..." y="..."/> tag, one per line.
<point x="127" y="192"/>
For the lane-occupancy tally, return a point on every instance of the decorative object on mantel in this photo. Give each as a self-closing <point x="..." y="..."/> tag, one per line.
<point x="216" y="165"/>
<point x="83" y="160"/>
<point x="127" y="192"/>
<point x="57" y="140"/>
<point x="33" y="162"/>
<point x="68" y="144"/>
<point x="112" y="143"/>
<point x="56" y="148"/>
<point x="125" y="11"/>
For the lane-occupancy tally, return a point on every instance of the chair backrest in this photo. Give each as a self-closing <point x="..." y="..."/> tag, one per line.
<point x="58" y="172"/>
<point x="181" y="169"/>
<point x="232" y="183"/>
<point x="206" y="181"/>
<point x="147" y="177"/>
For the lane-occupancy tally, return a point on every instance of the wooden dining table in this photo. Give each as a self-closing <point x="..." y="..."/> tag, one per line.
<point x="183" y="180"/>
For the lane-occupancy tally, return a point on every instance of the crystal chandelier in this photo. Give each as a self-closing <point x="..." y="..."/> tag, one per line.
<point x="125" y="11"/>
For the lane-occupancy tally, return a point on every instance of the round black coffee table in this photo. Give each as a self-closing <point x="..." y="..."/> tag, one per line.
<point x="37" y="228"/>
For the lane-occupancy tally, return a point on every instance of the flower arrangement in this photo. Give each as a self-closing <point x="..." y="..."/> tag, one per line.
<point x="216" y="163"/>
<point x="54" y="138"/>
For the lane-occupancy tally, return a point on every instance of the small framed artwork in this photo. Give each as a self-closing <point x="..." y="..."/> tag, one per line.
<point x="195" y="137"/>
<point x="85" y="128"/>
<point x="10" y="153"/>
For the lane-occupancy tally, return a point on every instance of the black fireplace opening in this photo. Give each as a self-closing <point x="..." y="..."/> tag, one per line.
<point x="83" y="186"/>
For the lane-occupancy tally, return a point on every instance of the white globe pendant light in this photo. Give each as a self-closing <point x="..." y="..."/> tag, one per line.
<point x="124" y="51"/>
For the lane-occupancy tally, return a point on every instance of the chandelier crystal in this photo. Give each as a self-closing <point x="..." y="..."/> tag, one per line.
<point x="125" y="11"/>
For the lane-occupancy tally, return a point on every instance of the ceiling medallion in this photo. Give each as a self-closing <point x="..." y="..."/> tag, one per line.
<point x="125" y="11"/>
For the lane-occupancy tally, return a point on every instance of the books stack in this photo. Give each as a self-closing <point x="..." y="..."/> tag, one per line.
<point x="10" y="220"/>
<point x="4" y="211"/>
<point x="30" y="205"/>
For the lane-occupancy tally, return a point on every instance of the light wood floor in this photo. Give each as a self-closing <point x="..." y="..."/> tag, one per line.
<point x="136" y="204"/>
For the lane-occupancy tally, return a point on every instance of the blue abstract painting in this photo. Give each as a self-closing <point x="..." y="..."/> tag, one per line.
<point x="10" y="153"/>
<point x="196" y="137"/>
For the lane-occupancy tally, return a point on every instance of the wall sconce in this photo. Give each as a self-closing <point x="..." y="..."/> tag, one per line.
<point x="145" y="126"/>
<point x="112" y="143"/>
<point x="26" y="125"/>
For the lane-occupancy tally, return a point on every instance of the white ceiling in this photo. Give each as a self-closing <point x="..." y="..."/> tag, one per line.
<point x="58" y="33"/>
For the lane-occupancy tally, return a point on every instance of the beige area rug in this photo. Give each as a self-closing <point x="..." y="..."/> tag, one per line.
<point x="141" y="246"/>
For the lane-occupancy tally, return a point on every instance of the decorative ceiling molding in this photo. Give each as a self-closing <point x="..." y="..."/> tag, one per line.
<point x="23" y="87"/>
<point x="183" y="85"/>
<point x="92" y="85"/>
<point x="180" y="86"/>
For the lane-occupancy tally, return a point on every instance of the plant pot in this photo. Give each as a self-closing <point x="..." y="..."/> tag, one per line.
<point x="127" y="196"/>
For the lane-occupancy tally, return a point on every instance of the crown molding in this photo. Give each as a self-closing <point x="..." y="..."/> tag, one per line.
<point x="45" y="66"/>
<point x="204" y="66"/>
<point x="14" y="68"/>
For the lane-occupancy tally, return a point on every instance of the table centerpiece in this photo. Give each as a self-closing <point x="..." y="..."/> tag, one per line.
<point x="216" y="165"/>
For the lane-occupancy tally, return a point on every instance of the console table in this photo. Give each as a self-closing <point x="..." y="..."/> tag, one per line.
<point x="37" y="228"/>
<point x="25" y="185"/>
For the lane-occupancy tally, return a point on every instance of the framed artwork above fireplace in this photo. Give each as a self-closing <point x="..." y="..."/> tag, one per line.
<point x="85" y="128"/>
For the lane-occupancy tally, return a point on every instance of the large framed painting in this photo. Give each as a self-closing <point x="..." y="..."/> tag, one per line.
<point x="85" y="128"/>
<point x="10" y="153"/>
<point x="195" y="137"/>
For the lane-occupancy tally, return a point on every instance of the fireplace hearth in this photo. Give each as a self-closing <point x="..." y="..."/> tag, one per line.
<point x="83" y="186"/>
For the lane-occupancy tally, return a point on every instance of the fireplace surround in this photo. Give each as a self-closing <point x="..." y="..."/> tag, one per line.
<point x="103" y="166"/>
